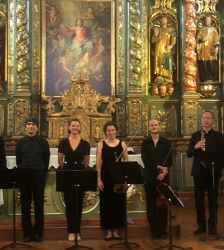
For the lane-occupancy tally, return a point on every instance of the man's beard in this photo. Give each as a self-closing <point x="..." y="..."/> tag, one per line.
<point x="154" y="133"/>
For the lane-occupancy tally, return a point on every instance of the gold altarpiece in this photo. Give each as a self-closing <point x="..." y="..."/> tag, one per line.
<point x="79" y="101"/>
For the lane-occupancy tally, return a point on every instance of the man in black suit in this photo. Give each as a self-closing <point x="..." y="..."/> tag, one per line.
<point x="156" y="155"/>
<point x="32" y="151"/>
<point x="207" y="147"/>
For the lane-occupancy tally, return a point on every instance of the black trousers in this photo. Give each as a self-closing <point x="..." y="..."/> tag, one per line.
<point x="37" y="193"/>
<point x="203" y="183"/>
<point x="71" y="207"/>
<point x="157" y="216"/>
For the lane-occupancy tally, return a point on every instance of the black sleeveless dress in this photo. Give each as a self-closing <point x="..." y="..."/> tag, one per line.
<point x="112" y="205"/>
<point x="74" y="160"/>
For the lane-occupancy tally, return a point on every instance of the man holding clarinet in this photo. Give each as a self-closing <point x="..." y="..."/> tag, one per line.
<point x="207" y="147"/>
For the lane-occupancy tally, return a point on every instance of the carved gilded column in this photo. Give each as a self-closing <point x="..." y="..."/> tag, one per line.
<point x="22" y="47"/>
<point x="134" y="59"/>
<point x="120" y="36"/>
<point x="11" y="48"/>
<point x="36" y="54"/>
<point x="190" y="67"/>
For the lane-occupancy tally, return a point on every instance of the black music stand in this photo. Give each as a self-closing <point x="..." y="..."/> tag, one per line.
<point x="216" y="236"/>
<point x="125" y="173"/>
<point x="12" y="179"/>
<point x="172" y="200"/>
<point x="69" y="179"/>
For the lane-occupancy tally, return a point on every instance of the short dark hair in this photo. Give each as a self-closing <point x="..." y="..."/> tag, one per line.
<point x="110" y="123"/>
<point x="32" y="119"/>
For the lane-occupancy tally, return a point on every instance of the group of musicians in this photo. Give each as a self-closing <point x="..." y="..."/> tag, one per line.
<point x="32" y="151"/>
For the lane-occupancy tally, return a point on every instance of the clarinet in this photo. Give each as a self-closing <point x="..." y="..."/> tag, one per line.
<point x="202" y="137"/>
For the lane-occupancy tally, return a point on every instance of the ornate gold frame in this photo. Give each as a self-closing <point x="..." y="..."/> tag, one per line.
<point x="112" y="75"/>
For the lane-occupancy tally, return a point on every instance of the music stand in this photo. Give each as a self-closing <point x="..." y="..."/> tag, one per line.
<point x="172" y="200"/>
<point x="216" y="236"/>
<point x="125" y="173"/>
<point x="73" y="179"/>
<point x="12" y="179"/>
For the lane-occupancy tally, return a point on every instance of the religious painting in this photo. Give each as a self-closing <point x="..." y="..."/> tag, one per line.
<point x="78" y="38"/>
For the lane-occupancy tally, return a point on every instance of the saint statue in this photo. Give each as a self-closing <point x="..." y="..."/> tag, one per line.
<point x="208" y="43"/>
<point x="61" y="131"/>
<point x="165" y="40"/>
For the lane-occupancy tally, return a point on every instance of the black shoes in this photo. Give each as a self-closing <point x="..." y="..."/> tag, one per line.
<point x="27" y="239"/>
<point x="108" y="238"/>
<point x="200" y="230"/>
<point x="39" y="238"/>
<point x="117" y="237"/>
<point x="162" y="235"/>
<point x="36" y="238"/>
<point x="212" y="231"/>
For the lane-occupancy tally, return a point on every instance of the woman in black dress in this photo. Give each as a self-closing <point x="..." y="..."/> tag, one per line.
<point x="112" y="204"/>
<point x="75" y="152"/>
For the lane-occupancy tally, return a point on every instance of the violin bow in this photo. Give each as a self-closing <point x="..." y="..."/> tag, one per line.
<point x="128" y="144"/>
<point x="169" y="150"/>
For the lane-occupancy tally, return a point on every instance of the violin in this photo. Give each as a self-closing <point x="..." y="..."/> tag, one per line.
<point x="161" y="200"/>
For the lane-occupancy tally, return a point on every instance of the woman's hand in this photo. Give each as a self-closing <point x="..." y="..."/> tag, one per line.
<point x="100" y="184"/>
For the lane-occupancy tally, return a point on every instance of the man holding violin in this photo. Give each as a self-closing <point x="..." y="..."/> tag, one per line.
<point x="156" y="154"/>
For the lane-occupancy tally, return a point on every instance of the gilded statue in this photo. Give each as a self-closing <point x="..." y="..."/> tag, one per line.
<point x="110" y="106"/>
<point x="164" y="39"/>
<point x="61" y="131"/>
<point x="208" y="43"/>
<point x="50" y="105"/>
<point x="97" y="131"/>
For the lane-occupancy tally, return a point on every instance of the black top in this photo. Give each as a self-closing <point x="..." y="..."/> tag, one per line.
<point x="73" y="158"/>
<point x="214" y="152"/>
<point x="2" y="154"/>
<point x="153" y="156"/>
<point x="32" y="152"/>
<point x="109" y="154"/>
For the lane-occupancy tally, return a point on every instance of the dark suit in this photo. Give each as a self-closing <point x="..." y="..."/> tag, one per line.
<point x="152" y="157"/>
<point x="203" y="174"/>
<point x="33" y="152"/>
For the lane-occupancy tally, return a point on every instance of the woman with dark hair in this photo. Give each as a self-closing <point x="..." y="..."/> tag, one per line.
<point x="73" y="154"/>
<point x="112" y="204"/>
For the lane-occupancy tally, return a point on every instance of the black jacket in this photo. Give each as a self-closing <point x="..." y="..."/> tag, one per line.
<point x="214" y="152"/>
<point x="33" y="152"/>
<point x="153" y="156"/>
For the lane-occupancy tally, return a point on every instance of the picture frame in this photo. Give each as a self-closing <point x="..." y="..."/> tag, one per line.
<point x="78" y="37"/>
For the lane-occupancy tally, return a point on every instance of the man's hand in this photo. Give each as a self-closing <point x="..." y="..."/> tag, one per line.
<point x="200" y="144"/>
<point x="161" y="176"/>
<point x="165" y="170"/>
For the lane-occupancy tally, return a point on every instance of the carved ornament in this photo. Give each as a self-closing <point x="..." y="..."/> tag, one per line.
<point x="206" y="6"/>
